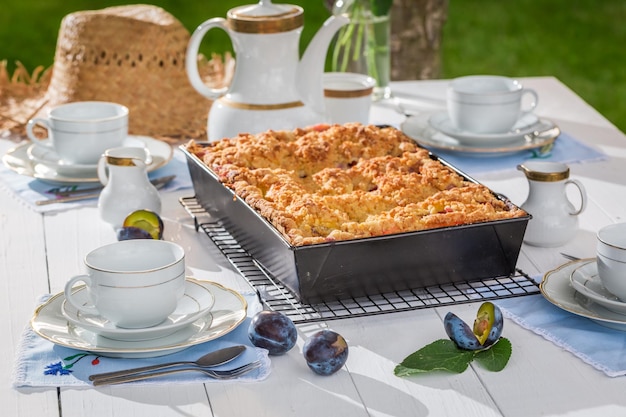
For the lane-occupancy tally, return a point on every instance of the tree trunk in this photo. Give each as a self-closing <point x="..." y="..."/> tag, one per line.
<point x="416" y="33"/>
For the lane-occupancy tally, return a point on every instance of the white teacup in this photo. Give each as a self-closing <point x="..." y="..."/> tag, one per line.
<point x="348" y="97"/>
<point x="487" y="103"/>
<point x="80" y="132"/>
<point x="132" y="283"/>
<point x="611" y="258"/>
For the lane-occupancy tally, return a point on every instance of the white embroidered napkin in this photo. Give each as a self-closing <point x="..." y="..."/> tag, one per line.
<point x="40" y="363"/>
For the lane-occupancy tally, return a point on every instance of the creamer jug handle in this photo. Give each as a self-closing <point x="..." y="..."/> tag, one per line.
<point x="583" y="196"/>
<point x="103" y="174"/>
<point x="191" y="58"/>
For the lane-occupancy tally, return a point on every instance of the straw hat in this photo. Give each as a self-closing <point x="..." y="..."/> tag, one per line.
<point x="132" y="55"/>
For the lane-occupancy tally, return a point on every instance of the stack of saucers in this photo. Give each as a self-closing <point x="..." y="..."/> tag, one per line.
<point x="485" y="115"/>
<point x="206" y="311"/>
<point x="576" y="287"/>
<point x="45" y="164"/>
<point x="586" y="281"/>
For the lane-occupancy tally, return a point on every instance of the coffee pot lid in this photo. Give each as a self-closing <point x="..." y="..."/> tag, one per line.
<point x="265" y="17"/>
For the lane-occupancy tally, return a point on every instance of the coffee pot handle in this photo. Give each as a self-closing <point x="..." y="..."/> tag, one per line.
<point x="583" y="196"/>
<point x="191" y="59"/>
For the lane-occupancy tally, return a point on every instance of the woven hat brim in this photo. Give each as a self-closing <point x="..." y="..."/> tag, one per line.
<point x="24" y="95"/>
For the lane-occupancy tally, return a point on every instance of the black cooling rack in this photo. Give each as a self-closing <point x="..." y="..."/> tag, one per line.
<point x="277" y="297"/>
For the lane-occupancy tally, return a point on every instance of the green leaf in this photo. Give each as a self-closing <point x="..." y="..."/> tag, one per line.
<point x="441" y="354"/>
<point x="381" y="7"/>
<point x="496" y="357"/>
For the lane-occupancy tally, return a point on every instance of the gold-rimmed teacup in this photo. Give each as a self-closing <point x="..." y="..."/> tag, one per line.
<point x="132" y="283"/>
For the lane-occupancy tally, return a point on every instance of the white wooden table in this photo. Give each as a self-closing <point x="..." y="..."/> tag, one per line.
<point x="38" y="253"/>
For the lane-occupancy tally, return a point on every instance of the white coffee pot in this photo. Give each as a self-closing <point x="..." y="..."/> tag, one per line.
<point x="272" y="88"/>
<point x="554" y="218"/>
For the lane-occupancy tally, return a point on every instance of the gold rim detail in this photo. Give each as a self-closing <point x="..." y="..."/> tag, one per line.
<point x="544" y="176"/>
<point x="291" y="19"/>
<point x="121" y="161"/>
<point x="348" y="93"/>
<point x="248" y="106"/>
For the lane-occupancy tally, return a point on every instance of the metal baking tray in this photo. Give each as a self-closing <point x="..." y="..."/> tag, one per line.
<point x="361" y="267"/>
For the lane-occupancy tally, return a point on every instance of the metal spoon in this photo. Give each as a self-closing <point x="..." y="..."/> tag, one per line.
<point x="214" y="358"/>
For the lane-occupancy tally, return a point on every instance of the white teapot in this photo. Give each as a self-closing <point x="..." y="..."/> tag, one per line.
<point x="271" y="88"/>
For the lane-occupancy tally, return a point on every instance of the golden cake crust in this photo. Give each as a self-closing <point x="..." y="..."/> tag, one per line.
<point x="340" y="182"/>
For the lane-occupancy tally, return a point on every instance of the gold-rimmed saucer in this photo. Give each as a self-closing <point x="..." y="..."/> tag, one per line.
<point x="18" y="160"/>
<point x="195" y="303"/>
<point x="228" y="312"/>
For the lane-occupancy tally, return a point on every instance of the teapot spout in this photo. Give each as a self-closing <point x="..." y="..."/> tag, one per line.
<point x="311" y="66"/>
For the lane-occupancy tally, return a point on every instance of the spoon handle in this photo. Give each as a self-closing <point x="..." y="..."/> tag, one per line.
<point x="115" y="374"/>
<point x="217" y="357"/>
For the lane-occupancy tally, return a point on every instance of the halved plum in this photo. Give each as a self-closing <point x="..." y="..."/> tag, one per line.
<point x="146" y="220"/>
<point x="130" y="232"/>
<point x="485" y="332"/>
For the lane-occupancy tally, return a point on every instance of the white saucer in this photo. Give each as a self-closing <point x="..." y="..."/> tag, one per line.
<point x="557" y="288"/>
<point x="17" y="160"/>
<point x="418" y="128"/>
<point x="228" y="312"/>
<point x="585" y="280"/>
<point x="441" y="122"/>
<point x="196" y="303"/>
<point x="49" y="158"/>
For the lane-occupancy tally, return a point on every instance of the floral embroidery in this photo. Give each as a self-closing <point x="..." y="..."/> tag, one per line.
<point x="64" y="367"/>
<point x="56" y="369"/>
<point x="62" y="190"/>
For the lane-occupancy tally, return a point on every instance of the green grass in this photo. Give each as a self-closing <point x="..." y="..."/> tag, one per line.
<point x="29" y="28"/>
<point x="581" y="42"/>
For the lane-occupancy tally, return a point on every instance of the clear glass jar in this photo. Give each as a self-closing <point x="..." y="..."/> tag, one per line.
<point x="362" y="46"/>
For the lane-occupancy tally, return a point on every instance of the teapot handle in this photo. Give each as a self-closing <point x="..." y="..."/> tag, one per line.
<point x="191" y="61"/>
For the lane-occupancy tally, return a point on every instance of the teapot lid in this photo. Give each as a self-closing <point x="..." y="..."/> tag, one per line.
<point x="265" y="17"/>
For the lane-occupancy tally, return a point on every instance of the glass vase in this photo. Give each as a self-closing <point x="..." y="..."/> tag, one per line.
<point x="362" y="46"/>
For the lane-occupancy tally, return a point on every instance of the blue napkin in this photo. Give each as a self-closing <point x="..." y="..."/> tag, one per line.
<point x="599" y="346"/>
<point x="40" y="363"/>
<point x="566" y="150"/>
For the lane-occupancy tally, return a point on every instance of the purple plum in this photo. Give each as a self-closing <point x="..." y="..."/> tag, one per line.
<point x="273" y="331"/>
<point x="325" y="352"/>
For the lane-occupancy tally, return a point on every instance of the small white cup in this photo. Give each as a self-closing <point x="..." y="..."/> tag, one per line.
<point x="611" y="258"/>
<point x="80" y="132"/>
<point x="348" y="97"/>
<point x="132" y="283"/>
<point x="487" y="103"/>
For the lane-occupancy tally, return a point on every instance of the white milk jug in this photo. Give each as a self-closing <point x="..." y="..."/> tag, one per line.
<point x="127" y="188"/>
<point x="554" y="218"/>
